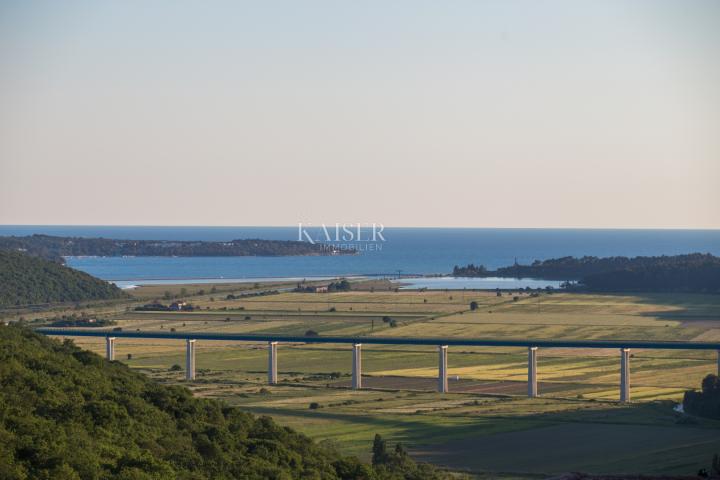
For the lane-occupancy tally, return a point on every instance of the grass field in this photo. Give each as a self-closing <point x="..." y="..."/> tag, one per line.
<point x="486" y="424"/>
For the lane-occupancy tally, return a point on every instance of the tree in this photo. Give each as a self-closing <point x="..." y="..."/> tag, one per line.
<point x="705" y="403"/>
<point x="341" y="286"/>
<point x="352" y="468"/>
<point x="379" y="450"/>
<point x="711" y="383"/>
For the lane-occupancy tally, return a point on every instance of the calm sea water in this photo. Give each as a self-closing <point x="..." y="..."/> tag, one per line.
<point x="411" y="250"/>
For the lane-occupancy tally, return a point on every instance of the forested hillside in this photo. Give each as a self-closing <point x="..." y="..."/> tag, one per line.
<point x="28" y="280"/>
<point x="54" y="248"/>
<point x="694" y="272"/>
<point x="66" y="413"/>
<point x="700" y="274"/>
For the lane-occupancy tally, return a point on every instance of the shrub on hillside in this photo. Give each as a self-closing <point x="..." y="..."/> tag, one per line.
<point x="705" y="403"/>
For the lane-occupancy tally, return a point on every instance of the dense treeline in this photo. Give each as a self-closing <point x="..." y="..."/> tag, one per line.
<point x="702" y="276"/>
<point x="66" y="413"/>
<point x="572" y="268"/>
<point x="472" y="270"/>
<point x="83" y="320"/>
<point x="705" y="403"/>
<point x="57" y="247"/>
<point x="340" y="286"/>
<point x="694" y="272"/>
<point x="28" y="280"/>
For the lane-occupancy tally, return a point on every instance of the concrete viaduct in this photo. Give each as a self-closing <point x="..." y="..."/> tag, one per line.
<point x="441" y="343"/>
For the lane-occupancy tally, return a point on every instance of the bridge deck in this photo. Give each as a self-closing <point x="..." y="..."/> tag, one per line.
<point x="465" y="342"/>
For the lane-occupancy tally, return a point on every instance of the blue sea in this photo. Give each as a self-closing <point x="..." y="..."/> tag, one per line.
<point x="408" y="251"/>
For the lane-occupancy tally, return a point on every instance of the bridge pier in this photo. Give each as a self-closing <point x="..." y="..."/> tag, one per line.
<point x="532" y="372"/>
<point x="624" y="375"/>
<point x="190" y="360"/>
<point x="110" y="348"/>
<point x="272" y="363"/>
<point x="357" y="366"/>
<point x="442" y="369"/>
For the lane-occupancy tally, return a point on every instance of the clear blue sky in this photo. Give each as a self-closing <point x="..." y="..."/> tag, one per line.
<point x="408" y="113"/>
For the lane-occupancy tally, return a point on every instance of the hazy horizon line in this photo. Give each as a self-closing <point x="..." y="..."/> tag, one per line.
<point x="317" y="225"/>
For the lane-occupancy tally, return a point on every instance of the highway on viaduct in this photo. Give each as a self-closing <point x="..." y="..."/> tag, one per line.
<point x="442" y="345"/>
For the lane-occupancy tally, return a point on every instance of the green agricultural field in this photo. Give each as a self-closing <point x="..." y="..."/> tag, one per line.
<point x="576" y="424"/>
